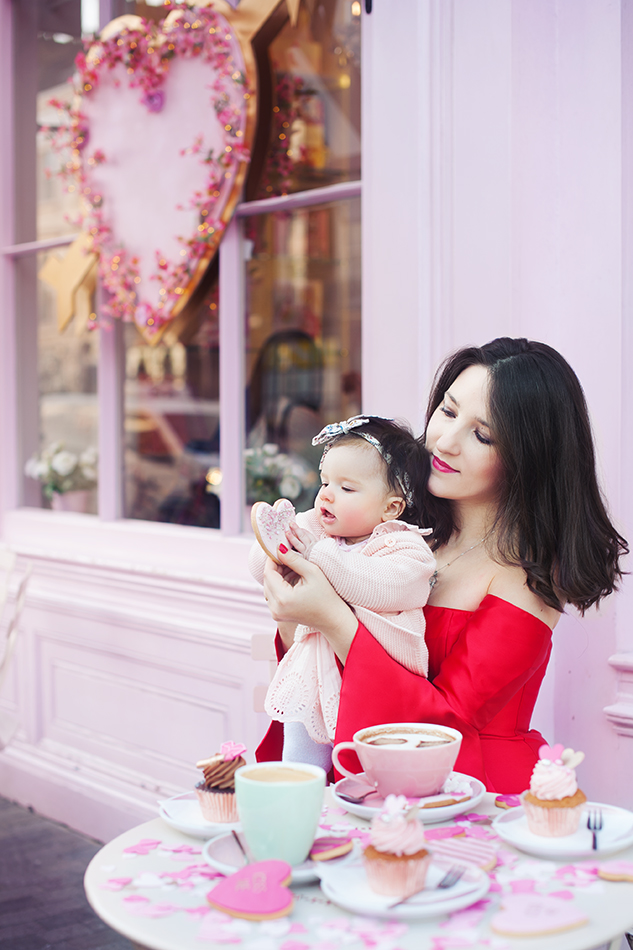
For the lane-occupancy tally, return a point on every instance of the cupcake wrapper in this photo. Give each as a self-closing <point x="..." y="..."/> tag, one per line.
<point x="552" y="822"/>
<point x="217" y="806"/>
<point x="397" y="878"/>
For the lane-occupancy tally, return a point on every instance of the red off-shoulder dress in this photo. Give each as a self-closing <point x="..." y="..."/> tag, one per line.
<point x="485" y="671"/>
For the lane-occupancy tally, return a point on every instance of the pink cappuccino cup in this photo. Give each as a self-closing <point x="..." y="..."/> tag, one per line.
<point x="403" y="758"/>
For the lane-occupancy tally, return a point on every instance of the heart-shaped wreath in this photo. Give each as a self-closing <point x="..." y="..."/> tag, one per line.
<point x="159" y="173"/>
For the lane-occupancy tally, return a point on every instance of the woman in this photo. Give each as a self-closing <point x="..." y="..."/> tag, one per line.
<point x="519" y="530"/>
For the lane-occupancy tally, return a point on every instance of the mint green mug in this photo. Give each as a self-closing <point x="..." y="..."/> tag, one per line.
<point x="279" y="804"/>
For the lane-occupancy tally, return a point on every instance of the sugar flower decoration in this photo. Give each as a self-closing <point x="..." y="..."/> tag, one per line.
<point x="231" y="750"/>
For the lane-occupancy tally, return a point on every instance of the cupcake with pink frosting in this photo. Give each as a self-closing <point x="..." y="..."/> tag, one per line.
<point x="396" y="860"/>
<point x="553" y="804"/>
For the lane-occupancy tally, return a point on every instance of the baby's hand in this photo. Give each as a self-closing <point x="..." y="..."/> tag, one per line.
<point x="301" y="540"/>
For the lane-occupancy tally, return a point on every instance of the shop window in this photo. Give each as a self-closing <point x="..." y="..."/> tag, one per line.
<point x="299" y="288"/>
<point x="302" y="342"/>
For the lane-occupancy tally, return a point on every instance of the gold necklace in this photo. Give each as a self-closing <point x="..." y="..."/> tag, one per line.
<point x="433" y="578"/>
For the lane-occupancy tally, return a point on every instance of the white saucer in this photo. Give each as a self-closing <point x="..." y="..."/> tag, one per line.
<point x="346" y="885"/>
<point x="223" y="854"/>
<point x="616" y="834"/>
<point x="429" y="816"/>
<point x="183" y="813"/>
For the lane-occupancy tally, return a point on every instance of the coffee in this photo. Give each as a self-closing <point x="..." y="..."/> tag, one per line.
<point x="275" y="773"/>
<point x="407" y="737"/>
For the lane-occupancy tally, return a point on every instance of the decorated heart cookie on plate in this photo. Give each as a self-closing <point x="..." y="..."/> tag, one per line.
<point x="535" y="915"/>
<point x="270" y="523"/>
<point x="256" y="892"/>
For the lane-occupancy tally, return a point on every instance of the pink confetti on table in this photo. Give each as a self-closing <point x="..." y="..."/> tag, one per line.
<point x="523" y="886"/>
<point x="181" y="849"/>
<point x="475" y="816"/>
<point x="294" y="945"/>
<point x="495" y="887"/>
<point x="450" y="832"/>
<point x="564" y="895"/>
<point x="296" y="927"/>
<point x="475" y="831"/>
<point x="136" y="899"/>
<point x="201" y="870"/>
<point x="200" y="911"/>
<point x="153" y="910"/>
<point x="116" y="883"/>
<point x="144" y="846"/>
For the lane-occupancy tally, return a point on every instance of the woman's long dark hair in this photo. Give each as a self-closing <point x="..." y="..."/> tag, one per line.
<point x="552" y="519"/>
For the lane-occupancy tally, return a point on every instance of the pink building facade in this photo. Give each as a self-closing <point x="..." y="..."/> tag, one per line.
<point x="496" y="199"/>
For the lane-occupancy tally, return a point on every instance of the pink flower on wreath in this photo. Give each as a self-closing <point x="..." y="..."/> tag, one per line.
<point x="154" y="101"/>
<point x="231" y="750"/>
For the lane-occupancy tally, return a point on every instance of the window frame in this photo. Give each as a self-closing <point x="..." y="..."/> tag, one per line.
<point x="396" y="288"/>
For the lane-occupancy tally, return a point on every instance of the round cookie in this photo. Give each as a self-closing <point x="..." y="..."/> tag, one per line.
<point x="536" y="915"/>
<point x="616" y="870"/>
<point x="507" y="801"/>
<point x="270" y="523"/>
<point x="330" y="846"/>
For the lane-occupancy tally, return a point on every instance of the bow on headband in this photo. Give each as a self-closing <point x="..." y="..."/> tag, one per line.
<point x="335" y="430"/>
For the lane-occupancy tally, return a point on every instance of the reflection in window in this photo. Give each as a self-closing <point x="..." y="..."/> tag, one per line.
<point x="67" y="360"/>
<point x="314" y="135"/>
<point x="303" y="342"/>
<point x="172" y="438"/>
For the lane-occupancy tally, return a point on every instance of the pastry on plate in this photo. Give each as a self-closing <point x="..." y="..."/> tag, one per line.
<point x="553" y="803"/>
<point x="216" y="793"/>
<point x="396" y="859"/>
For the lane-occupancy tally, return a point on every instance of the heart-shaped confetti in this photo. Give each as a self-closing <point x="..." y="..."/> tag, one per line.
<point x="535" y="915"/>
<point x="256" y="892"/>
<point x="270" y="523"/>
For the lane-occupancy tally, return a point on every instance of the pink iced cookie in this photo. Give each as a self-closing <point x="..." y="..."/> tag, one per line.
<point x="469" y="851"/>
<point x="256" y="892"/>
<point x="536" y="915"/>
<point x="507" y="801"/>
<point x="270" y="524"/>
<point x="616" y="870"/>
<point x="330" y="846"/>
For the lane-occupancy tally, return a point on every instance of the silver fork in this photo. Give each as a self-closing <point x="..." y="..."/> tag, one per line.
<point x="450" y="879"/>
<point x="595" y="823"/>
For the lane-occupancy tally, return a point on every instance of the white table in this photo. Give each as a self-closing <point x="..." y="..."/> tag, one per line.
<point x="609" y="906"/>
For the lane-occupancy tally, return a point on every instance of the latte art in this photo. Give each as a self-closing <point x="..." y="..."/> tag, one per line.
<point x="406" y="738"/>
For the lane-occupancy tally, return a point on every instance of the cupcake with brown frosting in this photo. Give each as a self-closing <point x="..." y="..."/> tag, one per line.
<point x="553" y="804"/>
<point x="216" y="793"/>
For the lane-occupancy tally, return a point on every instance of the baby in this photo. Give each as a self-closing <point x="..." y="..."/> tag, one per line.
<point x="365" y="534"/>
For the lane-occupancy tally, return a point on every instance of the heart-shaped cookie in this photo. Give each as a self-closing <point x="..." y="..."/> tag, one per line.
<point x="572" y="759"/>
<point x="270" y="523"/>
<point x="535" y="915"/>
<point x="551" y="753"/>
<point x="160" y="135"/>
<point x="257" y="892"/>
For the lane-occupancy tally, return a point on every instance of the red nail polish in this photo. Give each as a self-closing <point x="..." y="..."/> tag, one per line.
<point x="283" y="548"/>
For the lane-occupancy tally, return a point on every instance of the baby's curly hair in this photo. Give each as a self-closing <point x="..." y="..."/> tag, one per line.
<point x="406" y="461"/>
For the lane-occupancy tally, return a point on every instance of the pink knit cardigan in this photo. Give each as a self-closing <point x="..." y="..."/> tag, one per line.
<point x="386" y="584"/>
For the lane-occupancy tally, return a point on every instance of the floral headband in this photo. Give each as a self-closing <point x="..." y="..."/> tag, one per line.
<point x="335" y="430"/>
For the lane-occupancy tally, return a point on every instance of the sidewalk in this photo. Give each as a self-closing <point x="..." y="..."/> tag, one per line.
<point x="42" y="900"/>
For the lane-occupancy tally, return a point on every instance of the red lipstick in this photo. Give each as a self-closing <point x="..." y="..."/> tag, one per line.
<point x="442" y="466"/>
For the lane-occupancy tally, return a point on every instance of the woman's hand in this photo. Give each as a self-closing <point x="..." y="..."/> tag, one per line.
<point x="310" y="600"/>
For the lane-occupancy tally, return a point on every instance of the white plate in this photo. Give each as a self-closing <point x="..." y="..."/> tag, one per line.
<point x="223" y="854"/>
<point x="346" y="885"/>
<point x="183" y="813"/>
<point x="616" y="834"/>
<point x="429" y="816"/>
